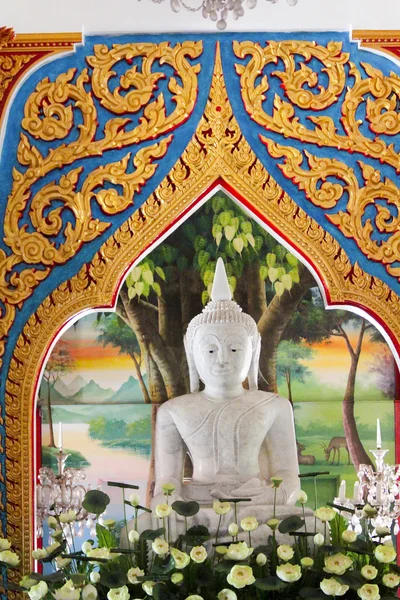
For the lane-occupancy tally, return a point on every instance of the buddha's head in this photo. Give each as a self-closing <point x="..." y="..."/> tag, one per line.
<point x="222" y="343"/>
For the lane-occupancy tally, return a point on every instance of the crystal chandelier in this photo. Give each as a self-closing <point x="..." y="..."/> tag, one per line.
<point x="376" y="491"/>
<point x="218" y="10"/>
<point x="60" y="492"/>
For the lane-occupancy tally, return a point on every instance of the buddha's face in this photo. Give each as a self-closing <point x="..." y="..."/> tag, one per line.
<point x="222" y="354"/>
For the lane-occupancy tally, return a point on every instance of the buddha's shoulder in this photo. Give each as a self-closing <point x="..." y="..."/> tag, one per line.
<point x="270" y="398"/>
<point x="180" y="402"/>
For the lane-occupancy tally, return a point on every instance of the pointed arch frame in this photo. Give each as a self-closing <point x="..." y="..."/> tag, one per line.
<point x="218" y="154"/>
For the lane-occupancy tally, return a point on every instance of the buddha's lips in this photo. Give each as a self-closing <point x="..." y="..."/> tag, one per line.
<point x="222" y="370"/>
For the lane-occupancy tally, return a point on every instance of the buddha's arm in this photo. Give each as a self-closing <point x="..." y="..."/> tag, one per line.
<point x="282" y="453"/>
<point x="169" y="452"/>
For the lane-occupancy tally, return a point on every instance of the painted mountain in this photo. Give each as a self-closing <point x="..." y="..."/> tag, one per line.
<point x="75" y="386"/>
<point x="128" y="392"/>
<point x="92" y="393"/>
<point x="55" y="396"/>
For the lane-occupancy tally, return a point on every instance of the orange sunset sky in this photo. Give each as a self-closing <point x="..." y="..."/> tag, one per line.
<point x="110" y="369"/>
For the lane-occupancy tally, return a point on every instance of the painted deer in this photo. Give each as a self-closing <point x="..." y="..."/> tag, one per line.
<point x="335" y="444"/>
<point x="307" y="459"/>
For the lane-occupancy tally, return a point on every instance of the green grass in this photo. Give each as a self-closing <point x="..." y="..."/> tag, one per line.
<point x="314" y="391"/>
<point x="76" y="460"/>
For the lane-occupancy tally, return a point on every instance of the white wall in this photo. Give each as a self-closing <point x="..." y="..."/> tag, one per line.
<point x="109" y="16"/>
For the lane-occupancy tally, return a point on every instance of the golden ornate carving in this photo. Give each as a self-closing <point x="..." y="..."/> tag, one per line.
<point x="217" y="152"/>
<point x="379" y="111"/>
<point x="376" y="94"/>
<point x="49" y="116"/>
<point x="351" y="222"/>
<point x="10" y="66"/>
<point x="6" y="36"/>
<point x="19" y="52"/>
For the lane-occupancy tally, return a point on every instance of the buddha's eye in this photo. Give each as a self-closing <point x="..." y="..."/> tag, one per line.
<point x="233" y="349"/>
<point x="211" y="351"/>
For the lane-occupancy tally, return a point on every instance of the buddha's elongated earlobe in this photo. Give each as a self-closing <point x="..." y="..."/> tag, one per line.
<point x="194" y="380"/>
<point x="252" y="375"/>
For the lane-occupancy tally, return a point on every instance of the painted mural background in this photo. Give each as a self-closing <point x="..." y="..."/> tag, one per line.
<point x="109" y="369"/>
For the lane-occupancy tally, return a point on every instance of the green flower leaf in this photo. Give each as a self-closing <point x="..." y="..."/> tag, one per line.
<point x="279" y="288"/>
<point x="224" y="218"/>
<point x="131" y="293"/>
<point x="205" y="297"/>
<point x="198" y="531"/>
<point x="95" y="501"/>
<point x="148" y="277"/>
<point x="271" y="260"/>
<point x="160" y="273"/>
<point x="229" y="232"/>
<point x="114" y="578"/>
<point x="51" y="578"/>
<point x="246" y="227"/>
<point x="292" y="260"/>
<point x="200" y="242"/>
<point x="157" y="288"/>
<point x="312" y="594"/>
<point x="136" y="273"/>
<point x="186" y="509"/>
<point x="270" y="584"/>
<point x="263" y="272"/>
<point x="292" y="523"/>
<point x="238" y="244"/>
<point x="250" y="239"/>
<point x="139" y="287"/>
<point x="160" y="592"/>
<point x="190" y="231"/>
<point x="152" y="534"/>
<point x="273" y="274"/>
<point x="287" y="281"/>
<point x="294" y="274"/>
<point x="203" y="258"/>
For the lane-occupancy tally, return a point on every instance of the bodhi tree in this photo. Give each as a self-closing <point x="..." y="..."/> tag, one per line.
<point x="170" y="286"/>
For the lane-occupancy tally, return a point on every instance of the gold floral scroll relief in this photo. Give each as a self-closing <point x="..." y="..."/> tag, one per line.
<point x="22" y="51"/>
<point x="218" y="152"/>
<point x="375" y="94"/>
<point x="49" y="116"/>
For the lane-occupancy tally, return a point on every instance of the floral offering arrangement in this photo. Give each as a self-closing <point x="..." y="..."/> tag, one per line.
<point x="337" y="561"/>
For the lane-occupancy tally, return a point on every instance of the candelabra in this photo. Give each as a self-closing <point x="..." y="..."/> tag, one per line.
<point x="218" y="10"/>
<point x="61" y="492"/>
<point x="378" y="488"/>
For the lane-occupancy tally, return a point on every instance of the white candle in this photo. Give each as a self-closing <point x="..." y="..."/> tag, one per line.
<point x="379" y="493"/>
<point x="378" y="435"/>
<point x="356" y="492"/>
<point x="60" y="436"/>
<point x="342" y="491"/>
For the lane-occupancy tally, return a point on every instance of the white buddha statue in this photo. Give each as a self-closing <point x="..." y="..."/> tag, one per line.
<point x="237" y="438"/>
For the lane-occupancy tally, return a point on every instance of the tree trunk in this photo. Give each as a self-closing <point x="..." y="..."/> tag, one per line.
<point x="357" y="453"/>
<point x="190" y="288"/>
<point x="51" y="430"/>
<point x="289" y="386"/>
<point x="272" y="325"/>
<point x="256" y="298"/>
<point x="150" y="340"/>
<point x="142" y="384"/>
<point x="152" y="470"/>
